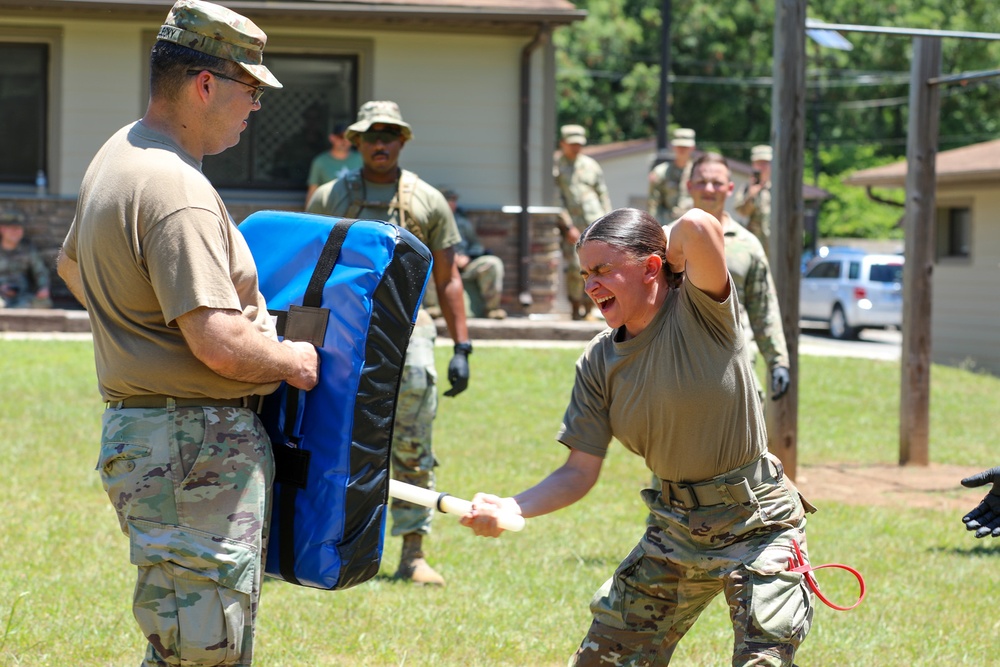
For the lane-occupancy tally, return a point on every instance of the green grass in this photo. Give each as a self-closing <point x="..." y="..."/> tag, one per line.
<point x="65" y="581"/>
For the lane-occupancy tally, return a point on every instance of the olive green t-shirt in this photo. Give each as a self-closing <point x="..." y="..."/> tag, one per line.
<point x="681" y="394"/>
<point x="154" y="241"/>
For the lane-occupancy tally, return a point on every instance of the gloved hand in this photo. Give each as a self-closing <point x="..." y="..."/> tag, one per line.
<point x="458" y="369"/>
<point x="985" y="519"/>
<point x="780" y="380"/>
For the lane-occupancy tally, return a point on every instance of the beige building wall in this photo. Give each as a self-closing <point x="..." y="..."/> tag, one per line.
<point x="459" y="92"/>
<point x="966" y="307"/>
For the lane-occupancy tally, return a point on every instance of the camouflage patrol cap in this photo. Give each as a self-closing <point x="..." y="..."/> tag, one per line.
<point x="11" y="218"/>
<point x="683" y="137"/>
<point x="378" y="111"/>
<point x="573" y="134"/>
<point x="219" y="32"/>
<point x="448" y="193"/>
<point x="761" y="153"/>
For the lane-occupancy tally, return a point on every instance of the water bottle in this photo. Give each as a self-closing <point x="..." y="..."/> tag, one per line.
<point x="41" y="183"/>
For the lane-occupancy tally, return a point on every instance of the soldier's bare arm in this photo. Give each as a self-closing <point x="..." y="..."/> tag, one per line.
<point x="228" y="343"/>
<point x="69" y="271"/>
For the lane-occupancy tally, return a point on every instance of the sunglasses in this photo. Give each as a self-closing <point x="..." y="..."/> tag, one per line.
<point x="384" y="136"/>
<point x="254" y="96"/>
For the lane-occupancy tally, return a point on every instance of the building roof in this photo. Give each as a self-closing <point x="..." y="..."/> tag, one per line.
<point x="978" y="162"/>
<point x="620" y="149"/>
<point x="467" y="14"/>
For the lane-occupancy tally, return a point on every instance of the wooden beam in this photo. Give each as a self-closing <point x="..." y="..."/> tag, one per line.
<point x="921" y="153"/>
<point x="788" y="111"/>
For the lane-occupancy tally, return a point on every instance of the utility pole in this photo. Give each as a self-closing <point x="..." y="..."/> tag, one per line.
<point x="921" y="154"/>
<point x="788" y="112"/>
<point x="663" y="118"/>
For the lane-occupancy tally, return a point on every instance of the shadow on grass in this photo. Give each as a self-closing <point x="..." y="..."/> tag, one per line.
<point x="976" y="550"/>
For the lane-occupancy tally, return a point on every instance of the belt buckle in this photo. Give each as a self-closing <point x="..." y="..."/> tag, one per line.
<point x="678" y="493"/>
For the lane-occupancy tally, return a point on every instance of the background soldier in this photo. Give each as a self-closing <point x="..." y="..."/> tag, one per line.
<point x="584" y="194"/>
<point x="24" y="277"/>
<point x="668" y="194"/>
<point x="755" y="201"/>
<point x="380" y="189"/>
<point x="710" y="186"/>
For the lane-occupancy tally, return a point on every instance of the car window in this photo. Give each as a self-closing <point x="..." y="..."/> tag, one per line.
<point x="886" y="273"/>
<point x="825" y="270"/>
<point x="854" y="271"/>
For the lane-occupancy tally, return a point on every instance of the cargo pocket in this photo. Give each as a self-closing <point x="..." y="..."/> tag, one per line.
<point x="613" y="603"/>
<point x="780" y="605"/>
<point x="194" y="593"/>
<point x="117" y="465"/>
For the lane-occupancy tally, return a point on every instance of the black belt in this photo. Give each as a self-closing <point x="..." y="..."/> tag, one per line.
<point x="168" y="402"/>
<point x="733" y="487"/>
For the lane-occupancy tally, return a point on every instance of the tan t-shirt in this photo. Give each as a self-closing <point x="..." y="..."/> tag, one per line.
<point x="428" y="208"/>
<point x="154" y="241"/>
<point x="681" y="394"/>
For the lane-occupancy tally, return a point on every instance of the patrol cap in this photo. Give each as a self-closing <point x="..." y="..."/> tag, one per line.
<point x="573" y="134"/>
<point x="373" y="112"/>
<point x="762" y="152"/>
<point x="683" y="137"/>
<point x="448" y="193"/>
<point x="220" y="32"/>
<point x="11" y="219"/>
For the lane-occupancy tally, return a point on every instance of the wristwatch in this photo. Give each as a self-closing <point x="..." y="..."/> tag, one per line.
<point x="463" y="348"/>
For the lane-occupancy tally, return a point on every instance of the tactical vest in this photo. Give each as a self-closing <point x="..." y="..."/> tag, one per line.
<point x="402" y="202"/>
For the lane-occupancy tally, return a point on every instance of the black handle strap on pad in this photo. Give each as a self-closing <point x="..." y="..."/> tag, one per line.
<point x="301" y="323"/>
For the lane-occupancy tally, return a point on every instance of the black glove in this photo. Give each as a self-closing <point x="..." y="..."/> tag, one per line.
<point x="985" y="519"/>
<point x="458" y="369"/>
<point x="780" y="379"/>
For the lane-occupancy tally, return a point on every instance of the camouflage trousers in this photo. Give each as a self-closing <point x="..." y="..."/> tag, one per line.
<point x="412" y="456"/>
<point x="684" y="560"/>
<point x="574" y="281"/>
<point x="485" y="273"/>
<point x="191" y="487"/>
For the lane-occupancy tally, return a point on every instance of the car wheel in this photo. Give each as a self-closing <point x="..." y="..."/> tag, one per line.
<point x="839" y="328"/>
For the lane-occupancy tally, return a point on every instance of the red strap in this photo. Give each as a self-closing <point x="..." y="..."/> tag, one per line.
<point x="798" y="564"/>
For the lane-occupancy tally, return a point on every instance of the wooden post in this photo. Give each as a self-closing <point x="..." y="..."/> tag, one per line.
<point x="788" y="110"/>
<point x="921" y="153"/>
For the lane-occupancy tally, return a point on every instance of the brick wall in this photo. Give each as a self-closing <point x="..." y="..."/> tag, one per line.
<point x="47" y="220"/>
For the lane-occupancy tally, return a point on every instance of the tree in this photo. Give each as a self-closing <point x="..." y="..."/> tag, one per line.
<point x="608" y="77"/>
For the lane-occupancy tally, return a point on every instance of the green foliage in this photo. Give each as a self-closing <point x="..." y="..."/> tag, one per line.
<point x="519" y="601"/>
<point x="608" y="71"/>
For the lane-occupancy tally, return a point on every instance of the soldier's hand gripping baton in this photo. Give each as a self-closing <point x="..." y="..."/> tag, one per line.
<point x="446" y="503"/>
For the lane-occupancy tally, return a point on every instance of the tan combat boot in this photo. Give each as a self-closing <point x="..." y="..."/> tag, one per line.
<point x="412" y="565"/>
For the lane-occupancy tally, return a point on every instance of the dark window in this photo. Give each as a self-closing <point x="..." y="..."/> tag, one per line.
<point x="292" y="125"/>
<point x="23" y="111"/>
<point x="953" y="232"/>
<point x="886" y="273"/>
<point x="825" y="270"/>
<point x="854" y="271"/>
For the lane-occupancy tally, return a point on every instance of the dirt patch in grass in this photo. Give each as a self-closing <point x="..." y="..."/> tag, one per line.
<point x="935" y="486"/>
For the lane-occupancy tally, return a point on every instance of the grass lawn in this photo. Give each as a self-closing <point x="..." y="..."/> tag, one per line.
<point x="65" y="581"/>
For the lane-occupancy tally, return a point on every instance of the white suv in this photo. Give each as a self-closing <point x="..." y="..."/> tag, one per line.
<point x="852" y="290"/>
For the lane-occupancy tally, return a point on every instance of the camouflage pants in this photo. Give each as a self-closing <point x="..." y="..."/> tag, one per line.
<point x="684" y="560"/>
<point x="574" y="281"/>
<point x="191" y="487"/>
<point x="412" y="457"/>
<point x="485" y="273"/>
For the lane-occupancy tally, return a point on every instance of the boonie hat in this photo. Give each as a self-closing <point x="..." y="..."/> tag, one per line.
<point x="219" y="32"/>
<point x="683" y="137"/>
<point x="373" y="112"/>
<point x="762" y="152"/>
<point x="573" y="134"/>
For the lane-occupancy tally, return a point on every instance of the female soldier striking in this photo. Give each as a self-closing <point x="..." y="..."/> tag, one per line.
<point x="672" y="382"/>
